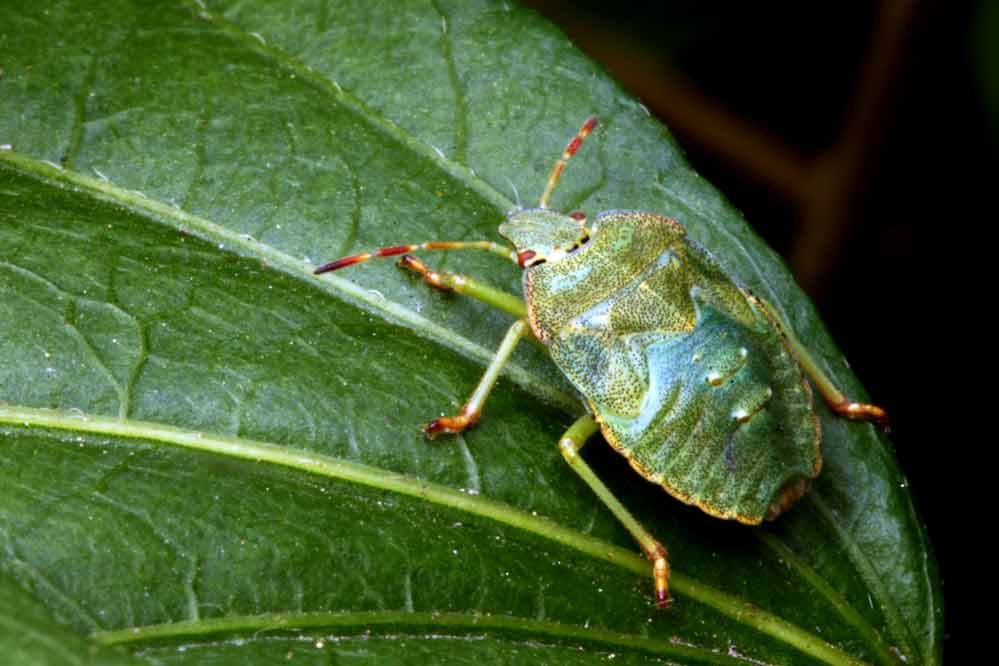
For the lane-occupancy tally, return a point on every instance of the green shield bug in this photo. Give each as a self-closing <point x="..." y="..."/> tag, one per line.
<point x="686" y="373"/>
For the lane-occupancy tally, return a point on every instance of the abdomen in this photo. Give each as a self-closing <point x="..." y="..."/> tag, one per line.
<point x="720" y="416"/>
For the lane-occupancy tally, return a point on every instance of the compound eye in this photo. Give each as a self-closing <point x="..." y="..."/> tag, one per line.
<point x="579" y="216"/>
<point x="524" y="258"/>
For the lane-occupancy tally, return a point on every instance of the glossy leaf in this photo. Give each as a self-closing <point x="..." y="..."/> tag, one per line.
<point x="208" y="454"/>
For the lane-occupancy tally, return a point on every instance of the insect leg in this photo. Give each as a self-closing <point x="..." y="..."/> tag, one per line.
<point x="837" y="402"/>
<point x="463" y="284"/>
<point x="570" y="444"/>
<point x="473" y="408"/>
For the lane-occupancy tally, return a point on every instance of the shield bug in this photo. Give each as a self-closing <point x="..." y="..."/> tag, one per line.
<point x="685" y="372"/>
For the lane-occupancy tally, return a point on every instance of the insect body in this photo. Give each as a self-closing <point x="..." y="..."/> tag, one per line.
<point x="686" y="373"/>
<point x="687" y="377"/>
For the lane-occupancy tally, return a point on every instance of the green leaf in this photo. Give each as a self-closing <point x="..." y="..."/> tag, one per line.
<point x="206" y="453"/>
<point x="28" y="635"/>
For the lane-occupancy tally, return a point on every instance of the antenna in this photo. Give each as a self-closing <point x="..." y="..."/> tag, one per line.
<point x="570" y="150"/>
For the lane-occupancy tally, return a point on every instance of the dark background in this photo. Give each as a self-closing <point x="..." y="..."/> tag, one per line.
<point x="858" y="139"/>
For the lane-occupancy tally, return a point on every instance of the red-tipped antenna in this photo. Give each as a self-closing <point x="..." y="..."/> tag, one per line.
<point x="364" y="256"/>
<point x="403" y="249"/>
<point x="570" y="150"/>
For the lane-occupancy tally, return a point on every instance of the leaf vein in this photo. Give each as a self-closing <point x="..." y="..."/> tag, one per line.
<point x="460" y="124"/>
<point x="900" y="630"/>
<point x="238" y="243"/>
<point x="835" y="599"/>
<point x="27" y="570"/>
<point x="361" y="110"/>
<point x="321" y="465"/>
<point x="434" y="626"/>
<point x="79" y="114"/>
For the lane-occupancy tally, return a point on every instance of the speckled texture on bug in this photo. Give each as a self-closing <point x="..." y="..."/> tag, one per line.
<point x="688" y="377"/>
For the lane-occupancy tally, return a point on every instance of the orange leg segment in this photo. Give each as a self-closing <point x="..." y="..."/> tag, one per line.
<point x="470" y="413"/>
<point x="570" y="444"/>
<point x="462" y="284"/>
<point x="839" y="403"/>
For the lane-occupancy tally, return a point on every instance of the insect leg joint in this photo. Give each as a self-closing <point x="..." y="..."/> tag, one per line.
<point x="569" y="449"/>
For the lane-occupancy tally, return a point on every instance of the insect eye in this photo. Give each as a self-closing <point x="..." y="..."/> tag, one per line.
<point x="524" y="258"/>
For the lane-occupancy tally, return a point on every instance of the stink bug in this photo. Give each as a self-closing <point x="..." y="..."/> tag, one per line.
<point x="692" y="378"/>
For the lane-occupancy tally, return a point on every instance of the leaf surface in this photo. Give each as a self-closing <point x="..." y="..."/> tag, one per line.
<point x="208" y="454"/>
